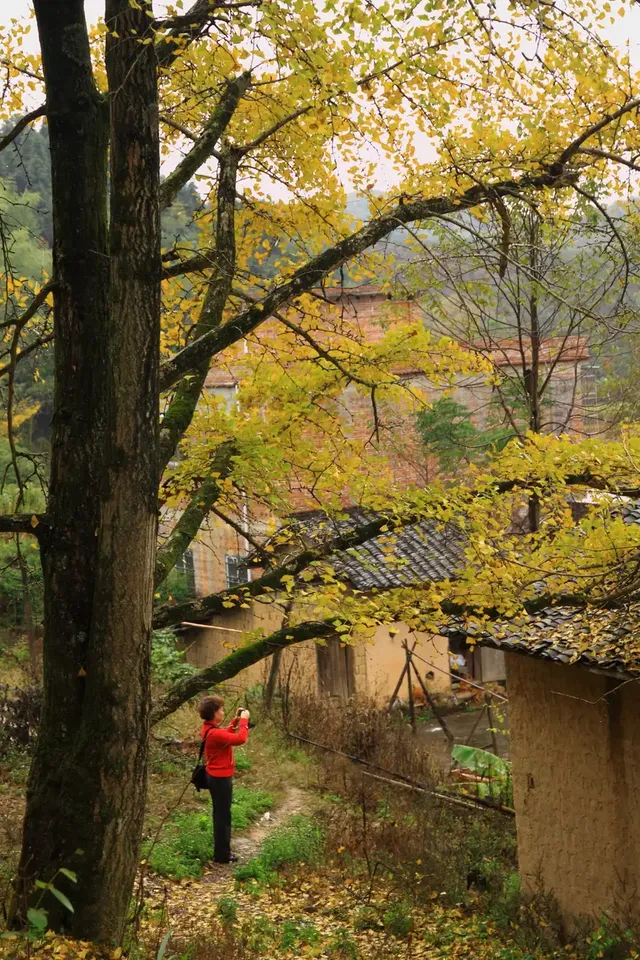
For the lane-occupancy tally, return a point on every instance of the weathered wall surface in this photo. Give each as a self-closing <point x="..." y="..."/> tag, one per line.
<point x="491" y="666"/>
<point x="384" y="659"/>
<point x="376" y="665"/>
<point x="576" y="769"/>
<point x="207" y="645"/>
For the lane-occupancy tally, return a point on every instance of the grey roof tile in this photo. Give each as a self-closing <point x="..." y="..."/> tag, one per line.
<point x="592" y="638"/>
<point x="416" y="554"/>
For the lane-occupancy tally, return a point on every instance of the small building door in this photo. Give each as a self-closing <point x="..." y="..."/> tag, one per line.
<point x="336" y="671"/>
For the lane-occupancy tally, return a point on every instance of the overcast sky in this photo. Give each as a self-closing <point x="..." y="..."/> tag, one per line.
<point x="625" y="30"/>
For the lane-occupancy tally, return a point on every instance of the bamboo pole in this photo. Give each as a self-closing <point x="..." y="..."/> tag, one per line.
<point x="412" y="706"/>
<point x="432" y="704"/>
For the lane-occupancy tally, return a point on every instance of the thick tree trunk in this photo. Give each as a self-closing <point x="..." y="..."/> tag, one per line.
<point x="78" y="134"/>
<point x="87" y="788"/>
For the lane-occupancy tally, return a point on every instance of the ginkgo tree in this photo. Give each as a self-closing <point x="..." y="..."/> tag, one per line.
<point x="270" y="107"/>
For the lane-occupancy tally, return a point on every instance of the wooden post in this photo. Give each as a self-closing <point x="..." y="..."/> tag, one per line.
<point x="401" y="678"/>
<point x="273" y="679"/>
<point x="432" y="704"/>
<point x="397" y="687"/>
<point x="492" y="730"/>
<point x="412" y="707"/>
<point x="475" y="726"/>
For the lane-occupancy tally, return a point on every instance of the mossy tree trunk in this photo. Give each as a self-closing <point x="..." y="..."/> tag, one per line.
<point x="86" y="792"/>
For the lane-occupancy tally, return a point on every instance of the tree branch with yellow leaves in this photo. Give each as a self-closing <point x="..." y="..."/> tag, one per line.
<point x="556" y="175"/>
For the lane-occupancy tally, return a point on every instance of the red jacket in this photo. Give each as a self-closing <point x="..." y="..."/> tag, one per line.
<point x="218" y="748"/>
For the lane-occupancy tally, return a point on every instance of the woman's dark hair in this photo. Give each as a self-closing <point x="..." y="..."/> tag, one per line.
<point x="209" y="706"/>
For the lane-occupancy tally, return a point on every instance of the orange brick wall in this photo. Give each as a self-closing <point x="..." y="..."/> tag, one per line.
<point x="398" y="441"/>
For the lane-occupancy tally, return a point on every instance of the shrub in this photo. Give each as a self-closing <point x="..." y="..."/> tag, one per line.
<point x="228" y="909"/>
<point x="298" y="934"/>
<point x="505" y="908"/>
<point x="12" y="596"/>
<point x="367" y="919"/>
<point x="228" y="944"/>
<point x="258" y="934"/>
<point x="496" y="782"/>
<point x="398" y="920"/>
<point x="361" y="729"/>
<point x="167" y="659"/>
<point x="343" y="946"/>
<point x="610" y="942"/>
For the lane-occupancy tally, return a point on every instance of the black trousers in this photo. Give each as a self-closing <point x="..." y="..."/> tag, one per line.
<point x="221" y="790"/>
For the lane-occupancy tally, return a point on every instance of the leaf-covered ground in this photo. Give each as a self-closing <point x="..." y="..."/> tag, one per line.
<point x="326" y="909"/>
<point x="300" y="894"/>
<point x="322" y="910"/>
<point x="324" y="913"/>
<point x="311" y="915"/>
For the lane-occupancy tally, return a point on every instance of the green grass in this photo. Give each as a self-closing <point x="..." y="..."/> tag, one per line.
<point x="298" y="934"/>
<point x="248" y="805"/>
<point x="187" y="842"/>
<point x="299" y="840"/>
<point x="398" y="920"/>
<point x="243" y="763"/>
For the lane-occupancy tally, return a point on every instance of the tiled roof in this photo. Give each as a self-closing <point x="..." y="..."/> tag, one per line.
<point x="592" y="638"/>
<point x="513" y="353"/>
<point x="596" y="639"/>
<point x="415" y="554"/>
<point x="631" y="512"/>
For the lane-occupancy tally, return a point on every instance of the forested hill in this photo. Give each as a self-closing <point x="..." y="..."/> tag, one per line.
<point x="25" y="205"/>
<point x="25" y="251"/>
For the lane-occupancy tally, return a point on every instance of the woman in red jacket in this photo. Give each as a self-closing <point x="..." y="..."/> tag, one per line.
<point x="220" y="766"/>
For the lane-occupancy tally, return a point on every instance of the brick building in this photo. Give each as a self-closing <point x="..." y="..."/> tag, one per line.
<point x="218" y="557"/>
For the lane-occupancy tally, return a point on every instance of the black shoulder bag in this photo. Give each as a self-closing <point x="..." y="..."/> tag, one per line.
<point x="199" y="776"/>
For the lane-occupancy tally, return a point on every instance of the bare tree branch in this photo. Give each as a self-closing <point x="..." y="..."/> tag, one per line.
<point x="289" y="635"/>
<point x="27" y="351"/>
<point x="239" y="529"/>
<point x="585" y="479"/>
<point x="21" y="523"/>
<point x="325" y="354"/>
<point x="201" y="261"/>
<point x="189" y="134"/>
<point x="181" y="410"/>
<point x="312" y="273"/>
<point x="205" y="13"/>
<point x="35" y="304"/>
<point x="267" y="134"/>
<point x="23" y="70"/>
<point x="614" y="157"/>
<point x="574" y="147"/>
<point x="183" y="31"/>
<point x="205" y="145"/>
<point x="203" y="608"/>
<point x="21" y="124"/>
